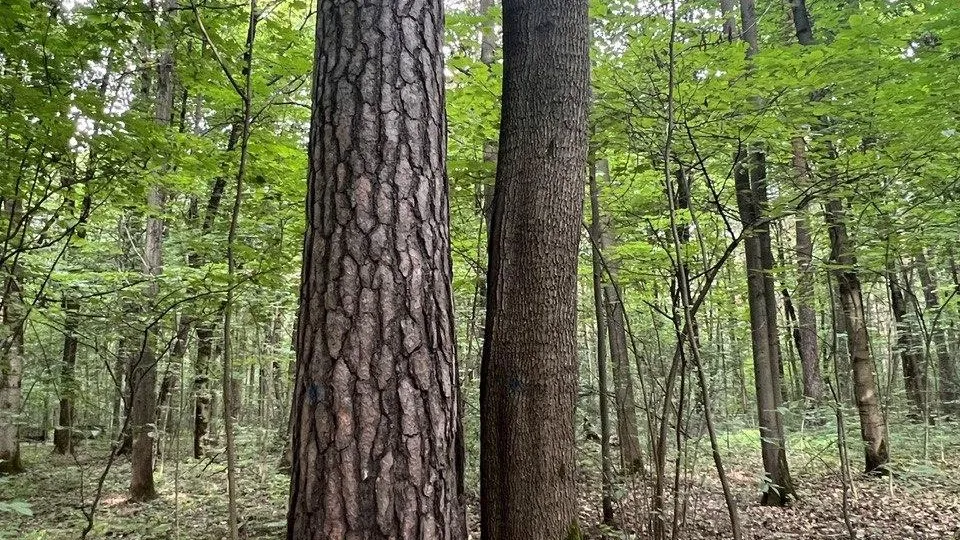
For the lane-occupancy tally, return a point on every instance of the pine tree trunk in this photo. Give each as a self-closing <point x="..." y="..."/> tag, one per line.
<point x="528" y="382"/>
<point x="872" y="428"/>
<point x="377" y="443"/>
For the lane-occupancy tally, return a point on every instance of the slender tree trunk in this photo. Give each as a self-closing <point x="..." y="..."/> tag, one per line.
<point x="779" y="486"/>
<point x="631" y="453"/>
<point x="377" y="441"/>
<point x="872" y="426"/>
<point x="201" y="388"/>
<point x="949" y="391"/>
<point x="806" y="315"/>
<point x="911" y="354"/>
<point x="528" y="382"/>
<point x="596" y="233"/>
<point x="143" y="380"/>
<point x="63" y="433"/>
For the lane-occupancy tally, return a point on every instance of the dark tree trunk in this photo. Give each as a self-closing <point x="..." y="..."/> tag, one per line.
<point x="779" y="486"/>
<point x="911" y="351"/>
<point x="528" y="382"/>
<point x="872" y="428"/>
<point x="377" y="443"/>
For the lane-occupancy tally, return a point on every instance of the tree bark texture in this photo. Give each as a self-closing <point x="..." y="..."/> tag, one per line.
<point x="528" y="388"/>
<point x="377" y="442"/>
<point x="872" y="428"/>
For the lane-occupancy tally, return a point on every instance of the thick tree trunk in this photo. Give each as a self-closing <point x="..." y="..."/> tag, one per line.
<point x="911" y="351"/>
<point x="11" y="344"/>
<point x="377" y="442"/>
<point x="872" y="427"/>
<point x="949" y="391"/>
<point x="779" y="486"/>
<point x="806" y="314"/>
<point x="528" y="382"/>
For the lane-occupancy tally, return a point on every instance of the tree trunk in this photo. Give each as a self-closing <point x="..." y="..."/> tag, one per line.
<point x="63" y="433"/>
<point x="596" y="233"/>
<point x="806" y="315"/>
<point x="143" y="380"/>
<point x="201" y="389"/>
<point x="528" y="382"/>
<point x="872" y="428"/>
<point x="11" y="343"/>
<point x="377" y="441"/>
<point x="631" y="452"/>
<point x="778" y="488"/>
<point x="911" y="352"/>
<point x="949" y="391"/>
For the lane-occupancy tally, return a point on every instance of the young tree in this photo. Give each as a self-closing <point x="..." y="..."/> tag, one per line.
<point x="872" y="427"/>
<point x="528" y="381"/>
<point x="377" y="443"/>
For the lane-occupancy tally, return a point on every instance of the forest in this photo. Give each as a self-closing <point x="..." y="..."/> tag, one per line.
<point x="518" y="270"/>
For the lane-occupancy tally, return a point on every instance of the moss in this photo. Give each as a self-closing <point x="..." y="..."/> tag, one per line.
<point x="574" y="532"/>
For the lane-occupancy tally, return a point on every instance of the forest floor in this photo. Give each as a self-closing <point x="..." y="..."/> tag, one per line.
<point x="920" y="501"/>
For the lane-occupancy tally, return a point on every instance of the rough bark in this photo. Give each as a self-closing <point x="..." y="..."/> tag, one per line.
<point x="872" y="427"/>
<point x="779" y="486"/>
<point x="377" y="442"/>
<point x="528" y="383"/>
<point x="949" y="378"/>
<point x="911" y="351"/>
